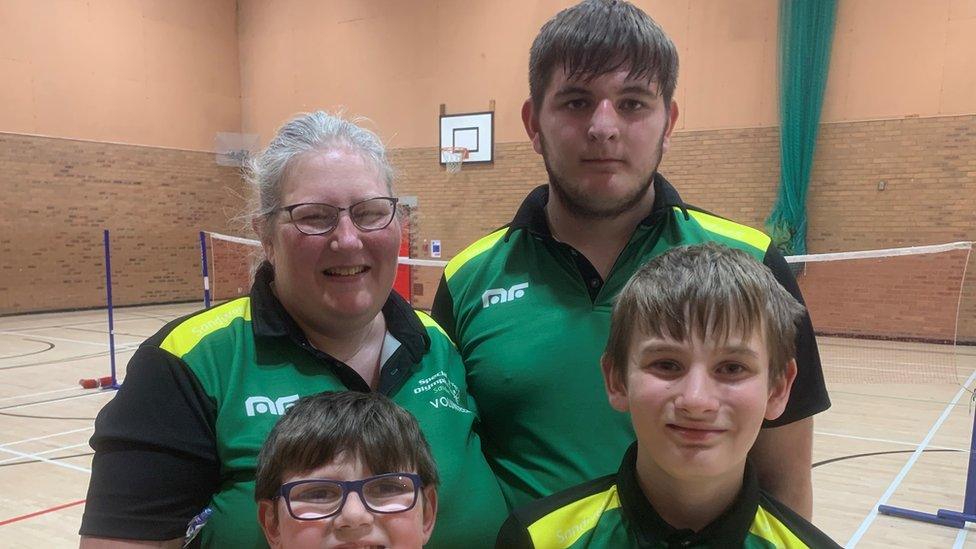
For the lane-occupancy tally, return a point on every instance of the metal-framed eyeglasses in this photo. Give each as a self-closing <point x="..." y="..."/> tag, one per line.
<point x="315" y="218"/>
<point x="316" y="499"/>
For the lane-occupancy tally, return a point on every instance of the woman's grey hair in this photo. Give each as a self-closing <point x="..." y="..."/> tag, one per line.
<point x="316" y="131"/>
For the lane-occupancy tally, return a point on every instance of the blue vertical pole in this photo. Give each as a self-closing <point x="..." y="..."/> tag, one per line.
<point x="203" y="268"/>
<point x="969" y="503"/>
<point x="968" y="513"/>
<point x="111" y="320"/>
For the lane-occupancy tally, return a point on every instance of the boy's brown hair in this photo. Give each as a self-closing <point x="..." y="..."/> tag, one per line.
<point x="319" y="428"/>
<point x="709" y="290"/>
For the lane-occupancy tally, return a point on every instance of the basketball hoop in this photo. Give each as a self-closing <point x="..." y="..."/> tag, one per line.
<point x="453" y="157"/>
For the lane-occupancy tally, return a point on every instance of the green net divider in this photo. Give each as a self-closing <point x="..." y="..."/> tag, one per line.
<point x="806" y="29"/>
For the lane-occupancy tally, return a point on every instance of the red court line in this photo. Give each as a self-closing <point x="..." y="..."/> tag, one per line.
<point x="44" y="511"/>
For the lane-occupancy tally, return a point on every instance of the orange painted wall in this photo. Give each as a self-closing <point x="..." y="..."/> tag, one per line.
<point x="896" y="58"/>
<point x="150" y="72"/>
<point x="396" y="61"/>
<point x="172" y="73"/>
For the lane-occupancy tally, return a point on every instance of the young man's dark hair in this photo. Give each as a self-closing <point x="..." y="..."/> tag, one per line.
<point x="320" y="427"/>
<point x="597" y="37"/>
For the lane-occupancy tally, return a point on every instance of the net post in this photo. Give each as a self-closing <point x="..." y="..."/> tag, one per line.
<point x="203" y="269"/>
<point x="108" y="299"/>
<point x="969" y="500"/>
<point x="948" y="517"/>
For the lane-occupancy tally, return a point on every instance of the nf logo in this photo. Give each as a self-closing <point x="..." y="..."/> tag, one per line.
<point x="263" y="405"/>
<point x="501" y="295"/>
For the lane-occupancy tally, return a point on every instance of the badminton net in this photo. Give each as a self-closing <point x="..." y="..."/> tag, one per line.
<point x="232" y="260"/>
<point x="890" y="316"/>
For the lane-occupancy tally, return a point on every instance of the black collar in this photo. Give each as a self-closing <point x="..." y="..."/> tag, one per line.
<point x="270" y="319"/>
<point x="531" y="214"/>
<point x="728" y="530"/>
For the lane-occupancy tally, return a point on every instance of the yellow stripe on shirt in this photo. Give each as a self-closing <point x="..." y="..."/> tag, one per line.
<point x="563" y="527"/>
<point x="188" y="334"/>
<point x="730" y="229"/>
<point x="429" y="322"/>
<point x="769" y="528"/>
<point x="477" y="248"/>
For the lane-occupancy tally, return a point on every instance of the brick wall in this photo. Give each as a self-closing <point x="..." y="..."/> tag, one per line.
<point x="909" y="297"/>
<point x="59" y="195"/>
<point x="230" y="267"/>
<point x="928" y="165"/>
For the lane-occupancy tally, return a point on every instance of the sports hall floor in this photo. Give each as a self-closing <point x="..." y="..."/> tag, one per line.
<point x="899" y="435"/>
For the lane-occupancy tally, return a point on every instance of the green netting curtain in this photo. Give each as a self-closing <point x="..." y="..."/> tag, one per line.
<point x="806" y="28"/>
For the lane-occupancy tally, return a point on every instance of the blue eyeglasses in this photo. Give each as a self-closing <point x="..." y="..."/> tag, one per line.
<point x="316" y="499"/>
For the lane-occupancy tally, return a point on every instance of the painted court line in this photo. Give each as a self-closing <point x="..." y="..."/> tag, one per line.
<point x="41" y="512"/>
<point x="53" y="338"/>
<point x="888" y="441"/>
<point x="65" y="390"/>
<point x="926" y="401"/>
<point x="45" y="460"/>
<point x="868" y="520"/>
<point x="960" y="538"/>
<point x="49" y="401"/>
<point x="45" y="452"/>
<point x="119" y="319"/>
<point x="62" y="433"/>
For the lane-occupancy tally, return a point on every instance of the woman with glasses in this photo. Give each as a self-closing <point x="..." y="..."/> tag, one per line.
<point x="178" y="444"/>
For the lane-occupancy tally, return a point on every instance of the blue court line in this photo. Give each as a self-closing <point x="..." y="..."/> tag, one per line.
<point x="851" y="543"/>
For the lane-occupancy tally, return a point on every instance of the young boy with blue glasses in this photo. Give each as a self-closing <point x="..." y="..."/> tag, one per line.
<point x="701" y="351"/>
<point x="346" y="469"/>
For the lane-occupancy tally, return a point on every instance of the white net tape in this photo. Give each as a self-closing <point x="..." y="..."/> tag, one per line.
<point x="231" y="260"/>
<point x="257" y="244"/>
<point x="891" y="315"/>
<point x="887" y="252"/>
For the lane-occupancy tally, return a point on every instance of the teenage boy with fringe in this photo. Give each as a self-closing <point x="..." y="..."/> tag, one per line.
<point x="701" y="352"/>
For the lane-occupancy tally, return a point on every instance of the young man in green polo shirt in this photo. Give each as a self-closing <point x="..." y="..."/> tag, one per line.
<point x="701" y="352"/>
<point x="529" y="305"/>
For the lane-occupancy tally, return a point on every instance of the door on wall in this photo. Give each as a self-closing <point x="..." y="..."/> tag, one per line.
<point x="402" y="282"/>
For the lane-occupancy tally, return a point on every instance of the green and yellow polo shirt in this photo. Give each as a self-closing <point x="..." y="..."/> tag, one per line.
<point x="201" y="396"/>
<point x="613" y="512"/>
<point x="530" y="316"/>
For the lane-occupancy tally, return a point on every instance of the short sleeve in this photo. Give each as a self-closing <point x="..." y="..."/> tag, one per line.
<point x="155" y="465"/>
<point x="443" y="310"/>
<point x="809" y="394"/>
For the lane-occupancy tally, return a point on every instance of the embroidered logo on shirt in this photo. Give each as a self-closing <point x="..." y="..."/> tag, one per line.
<point x="495" y="296"/>
<point x="263" y="405"/>
<point x="443" y="393"/>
